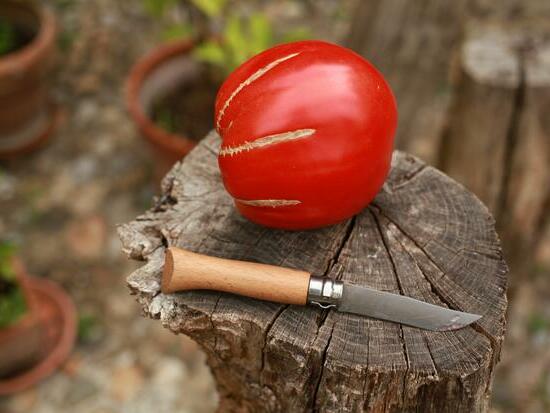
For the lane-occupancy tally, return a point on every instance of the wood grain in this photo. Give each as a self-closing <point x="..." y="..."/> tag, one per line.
<point x="413" y="44"/>
<point x="473" y="90"/>
<point x="498" y="141"/>
<point x="185" y="270"/>
<point x="424" y="236"/>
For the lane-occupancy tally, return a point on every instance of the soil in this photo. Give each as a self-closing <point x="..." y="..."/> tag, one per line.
<point x="13" y="38"/>
<point x="189" y="109"/>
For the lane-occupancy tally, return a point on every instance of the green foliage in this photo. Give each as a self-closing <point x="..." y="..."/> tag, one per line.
<point x="260" y="33"/>
<point x="88" y="327"/>
<point x="7" y="252"/>
<point x="12" y="307"/>
<point x="165" y="119"/>
<point x="12" y="301"/>
<point x="157" y="8"/>
<point x="240" y="40"/>
<point x="65" y="40"/>
<point x="7" y="37"/>
<point x="300" y="33"/>
<point x="210" y="52"/>
<point x="538" y="323"/>
<point x="231" y="38"/>
<point x="212" y="8"/>
<point x="177" y="31"/>
<point x="64" y="4"/>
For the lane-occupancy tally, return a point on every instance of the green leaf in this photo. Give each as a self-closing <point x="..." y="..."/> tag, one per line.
<point x="7" y="37"/>
<point x="165" y="120"/>
<point x="7" y="250"/>
<point x="177" y="31"/>
<point x="537" y="323"/>
<point x="211" y="52"/>
<point x="88" y="327"/>
<point x="261" y="34"/>
<point x="300" y="33"/>
<point x="156" y="8"/>
<point x="235" y="40"/>
<point x="211" y="8"/>
<point x="12" y="307"/>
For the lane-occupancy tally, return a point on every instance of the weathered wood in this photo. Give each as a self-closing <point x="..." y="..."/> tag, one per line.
<point x="498" y="142"/>
<point x="484" y="114"/>
<point x="424" y="236"/>
<point x="413" y="44"/>
<point x="489" y="129"/>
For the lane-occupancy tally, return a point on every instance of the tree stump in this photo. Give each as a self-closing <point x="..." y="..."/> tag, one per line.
<point x="498" y="139"/>
<point x="424" y="236"/>
<point x="413" y="43"/>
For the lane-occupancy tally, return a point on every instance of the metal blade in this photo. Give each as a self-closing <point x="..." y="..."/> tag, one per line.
<point x="401" y="309"/>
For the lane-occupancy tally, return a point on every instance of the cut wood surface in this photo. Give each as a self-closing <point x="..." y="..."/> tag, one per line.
<point x="424" y="236"/>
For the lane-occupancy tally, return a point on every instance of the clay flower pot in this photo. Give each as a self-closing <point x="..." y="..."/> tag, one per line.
<point x="152" y="77"/>
<point x="41" y="340"/>
<point x="27" y="117"/>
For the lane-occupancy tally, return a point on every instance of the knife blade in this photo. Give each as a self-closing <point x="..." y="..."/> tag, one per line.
<point x="402" y="309"/>
<point x="185" y="270"/>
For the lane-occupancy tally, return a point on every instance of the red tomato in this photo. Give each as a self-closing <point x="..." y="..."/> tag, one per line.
<point x="307" y="130"/>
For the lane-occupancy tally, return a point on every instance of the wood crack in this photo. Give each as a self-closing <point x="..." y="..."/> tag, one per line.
<point x="432" y="286"/>
<point x="409" y="177"/>
<point x="265" y="339"/>
<point x="344" y="240"/>
<point x="427" y="342"/>
<point x="211" y="318"/>
<point x="325" y="313"/>
<point x="405" y="233"/>
<point x="322" y="369"/>
<point x="402" y="292"/>
<point x="512" y="136"/>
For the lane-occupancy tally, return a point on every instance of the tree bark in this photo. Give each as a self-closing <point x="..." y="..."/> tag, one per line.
<point x="424" y="236"/>
<point x="498" y="142"/>
<point x="413" y="43"/>
<point x="489" y="129"/>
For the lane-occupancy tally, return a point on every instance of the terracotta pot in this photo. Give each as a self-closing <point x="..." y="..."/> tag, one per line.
<point x="152" y="77"/>
<point x="27" y="117"/>
<point x="36" y="345"/>
<point x="20" y="343"/>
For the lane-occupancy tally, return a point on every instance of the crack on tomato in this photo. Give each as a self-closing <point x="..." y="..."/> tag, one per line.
<point x="256" y="75"/>
<point x="274" y="203"/>
<point x="266" y="141"/>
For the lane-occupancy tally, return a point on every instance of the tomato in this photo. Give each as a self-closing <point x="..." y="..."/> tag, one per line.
<point x="307" y="134"/>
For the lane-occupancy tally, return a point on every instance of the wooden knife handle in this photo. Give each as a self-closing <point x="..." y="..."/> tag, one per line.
<point x="185" y="270"/>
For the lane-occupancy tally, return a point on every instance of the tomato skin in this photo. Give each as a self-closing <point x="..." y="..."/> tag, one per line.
<point x="307" y="134"/>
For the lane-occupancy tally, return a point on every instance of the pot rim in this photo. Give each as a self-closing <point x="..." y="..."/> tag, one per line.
<point x="41" y="44"/>
<point x="60" y="352"/>
<point x="141" y="70"/>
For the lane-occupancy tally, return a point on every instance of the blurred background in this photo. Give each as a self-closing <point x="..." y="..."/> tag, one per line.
<point x="99" y="98"/>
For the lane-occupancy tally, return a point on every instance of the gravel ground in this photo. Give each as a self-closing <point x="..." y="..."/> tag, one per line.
<point x="62" y="204"/>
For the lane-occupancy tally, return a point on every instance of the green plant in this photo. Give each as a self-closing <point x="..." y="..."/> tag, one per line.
<point x="12" y="301"/>
<point x="88" y="327"/>
<point x="165" y="119"/>
<point x="7" y="37"/>
<point x="226" y="38"/>
<point x="537" y="323"/>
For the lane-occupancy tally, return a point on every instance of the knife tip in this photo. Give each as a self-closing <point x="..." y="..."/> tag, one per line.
<point x="460" y="321"/>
